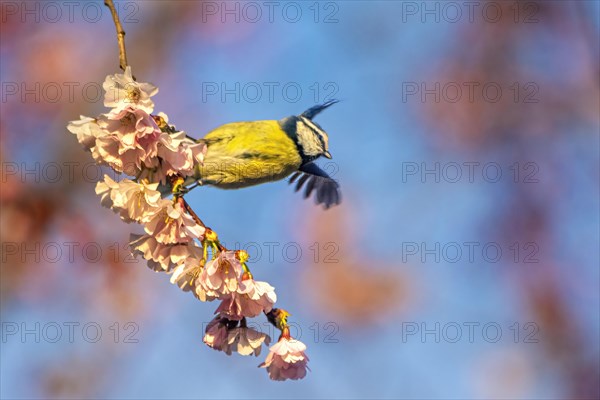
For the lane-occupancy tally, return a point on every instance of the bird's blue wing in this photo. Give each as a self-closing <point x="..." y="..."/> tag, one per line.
<point x="327" y="191"/>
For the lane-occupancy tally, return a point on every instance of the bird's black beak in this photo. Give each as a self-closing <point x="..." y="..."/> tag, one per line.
<point x="327" y="154"/>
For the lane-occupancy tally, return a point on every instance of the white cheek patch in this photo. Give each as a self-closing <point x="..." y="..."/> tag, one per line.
<point x="317" y="131"/>
<point x="315" y="128"/>
<point x="307" y="139"/>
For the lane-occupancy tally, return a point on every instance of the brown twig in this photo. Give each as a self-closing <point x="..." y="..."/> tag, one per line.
<point x="120" y="34"/>
<point x="195" y="216"/>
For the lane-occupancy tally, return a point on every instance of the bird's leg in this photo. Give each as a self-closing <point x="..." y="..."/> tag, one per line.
<point x="195" y="185"/>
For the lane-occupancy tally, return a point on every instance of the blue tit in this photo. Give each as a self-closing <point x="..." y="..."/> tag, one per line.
<point x="242" y="154"/>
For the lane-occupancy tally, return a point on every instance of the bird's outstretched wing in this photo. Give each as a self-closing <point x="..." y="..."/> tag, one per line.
<point x="327" y="190"/>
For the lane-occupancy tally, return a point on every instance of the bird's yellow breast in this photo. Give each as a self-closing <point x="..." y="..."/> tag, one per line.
<point x="242" y="154"/>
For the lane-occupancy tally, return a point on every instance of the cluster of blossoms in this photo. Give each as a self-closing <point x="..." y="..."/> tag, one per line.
<point x="133" y="141"/>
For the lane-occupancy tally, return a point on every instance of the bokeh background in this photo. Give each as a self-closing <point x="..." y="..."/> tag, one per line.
<point x="378" y="290"/>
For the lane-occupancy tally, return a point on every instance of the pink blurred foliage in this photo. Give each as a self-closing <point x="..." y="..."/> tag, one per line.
<point x="348" y="285"/>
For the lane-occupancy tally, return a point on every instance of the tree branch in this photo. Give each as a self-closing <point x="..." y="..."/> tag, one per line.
<point x="195" y="216"/>
<point x="120" y="34"/>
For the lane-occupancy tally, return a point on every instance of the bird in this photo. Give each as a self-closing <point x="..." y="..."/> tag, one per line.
<point x="242" y="154"/>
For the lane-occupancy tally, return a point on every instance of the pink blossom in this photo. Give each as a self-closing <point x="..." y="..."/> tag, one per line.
<point x="122" y="92"/>
<point x="133" y="201"/>
<point x="179" y="154"/>
<point x="246" y="341"/>
<point x="221" y="276"/>
<point x="106" y="152"/>
<point x="172" y="224"/>
<point x="87" y="130"/>
<point x="216" y="335"/>
<point x="249" y="300"/>
<point x="186" y="274"/>
<point x="129" y="123"/>
<point x="131" y="142"/>
<point x="105" y="190"/>
<point x="286" y="360"/>
<point x="163" y="257"/>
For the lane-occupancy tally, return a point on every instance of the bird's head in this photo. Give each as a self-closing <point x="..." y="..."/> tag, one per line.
<point x="311" y="139"/>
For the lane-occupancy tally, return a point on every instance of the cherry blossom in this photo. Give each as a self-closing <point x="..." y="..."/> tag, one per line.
<point x="179" y="154"/>
<point x="247" y="341"/>
<point x="133" y="201"/>
<point x="286" y="359"/>
<point x="163" y="257"/>
<point x="122" y="91"/>
<point x="221" y="275"/>
<point x="171" y="224"/>
<point x="216" y="335"/>
<point x="251" y="299"/>
<point x="87" y="130"/>
<point x="131" y="142"/>
<point x="186" y="274"/>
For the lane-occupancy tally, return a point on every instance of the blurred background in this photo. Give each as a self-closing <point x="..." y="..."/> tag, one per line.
<point x="462" y="263"/>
